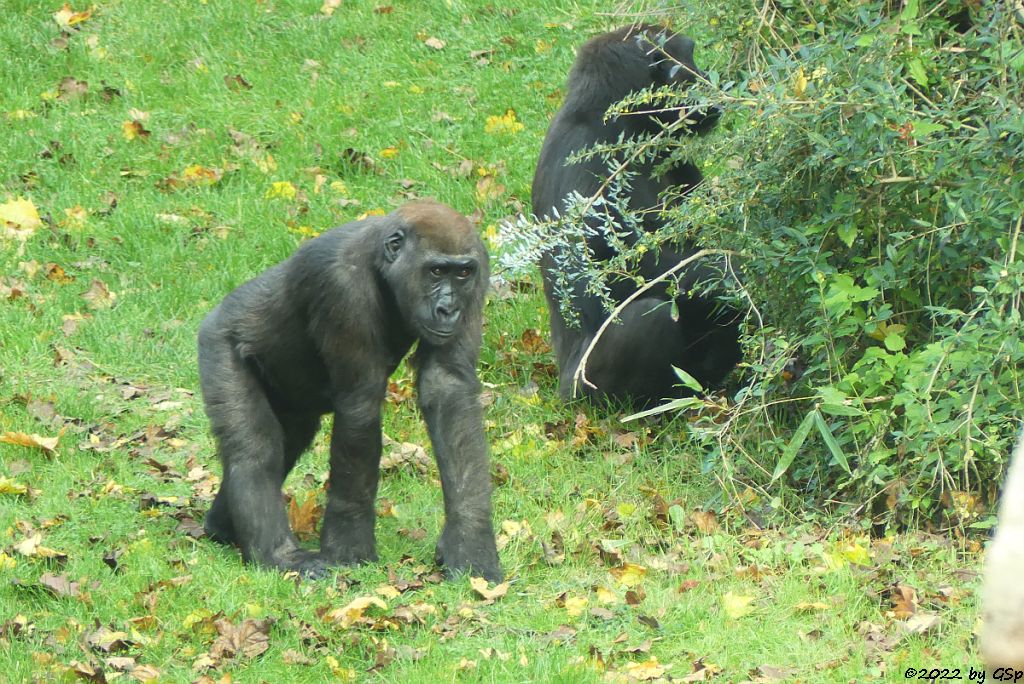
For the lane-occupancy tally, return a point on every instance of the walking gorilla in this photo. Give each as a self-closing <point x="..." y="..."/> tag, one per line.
<point x="322" y="332"/>
<point x="633" y="359"/>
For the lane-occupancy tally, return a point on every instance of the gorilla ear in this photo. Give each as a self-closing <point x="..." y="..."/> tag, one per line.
<point x="393" y="245"/>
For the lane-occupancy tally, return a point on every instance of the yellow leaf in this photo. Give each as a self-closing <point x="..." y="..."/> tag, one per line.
<point x="629" y="574"/>
<point x="197" y="174"/>
<point x="541" y="46"/>
<point x="6" y="562"/>
<point x="389" y="152"/>
<point x="811" y="606"/>
<point x="415" y="90"/>
<point x="856" y="554"/>
<point x="645" y="671"/>
<point x="606" y="595"/>
<point x="8" y="486"/>
<point x="506" y="123"/>
<point x="479" y="585"/>
<point x="282" y="189"/>
<point x="21" y="215"/>
<point x="339" y="187"/>
<point x="266" y="164"/>
<point x="388" y="591"/>
<point x="736" y="606"/>
<point x="67" y="17"/>
<point x="75" y="216"/>
<point x="47" y="444"/>
<point x="575" y="605"/>
<point x="799" y="83"/>
<point x="133" y="130"/>
<point x="353" y="612"/>
<point x="329" y="6"/>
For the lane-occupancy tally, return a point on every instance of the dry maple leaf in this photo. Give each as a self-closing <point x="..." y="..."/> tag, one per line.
<point x="304" y="517"/>
<point x="247" y="640"/>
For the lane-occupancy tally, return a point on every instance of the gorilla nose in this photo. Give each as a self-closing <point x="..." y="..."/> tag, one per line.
<point x="446" y="313"/>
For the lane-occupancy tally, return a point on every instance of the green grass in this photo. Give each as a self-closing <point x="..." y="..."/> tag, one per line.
<point x="821" y="598"/>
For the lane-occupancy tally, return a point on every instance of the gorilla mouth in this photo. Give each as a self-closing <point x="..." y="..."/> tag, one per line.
<point x="443" y="334"/>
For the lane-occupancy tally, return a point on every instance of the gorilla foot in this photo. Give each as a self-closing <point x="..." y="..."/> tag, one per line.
<point x="308" y="564"/>
<point x="220" y="530"/>
<point x="472" y="553"/>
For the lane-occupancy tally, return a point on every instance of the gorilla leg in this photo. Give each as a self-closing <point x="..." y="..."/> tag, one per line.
<point x="633" y="359"/>
<point x="299" y="431"/>
<point x="251" y="441"/>
<point x="347" y="535"/>
<point x="448" y="394"/>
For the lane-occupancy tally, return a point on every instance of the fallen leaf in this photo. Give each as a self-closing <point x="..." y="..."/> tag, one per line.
<point x="921" y="623"/>
<point x="67" y="17"/>
<point x="47" y="444"/>
<point x="629" y="574"/>
<point x="20" y="218"/>
<point x="237" y="83"/>
<point x="479" y="585"/>
<point x="304" y="517"/>
<point x="98" y="296"/>
<point x="8" y="486"/>
<point x="353" y="612"/>
<point x="736" y="605"/>
<point x="59" y="585"/>
<point x="644" y="671"/>
<point x="329" y="6"/>
<point x="435" y="43"/>
<point x="70" y="88"/>
<point x="248" y="640"/>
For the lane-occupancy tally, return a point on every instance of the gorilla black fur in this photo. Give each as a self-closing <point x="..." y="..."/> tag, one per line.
<point x="632" y="361"/>
<point x="321" y="333"/>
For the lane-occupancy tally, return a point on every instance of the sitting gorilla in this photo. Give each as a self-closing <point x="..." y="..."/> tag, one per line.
<point x="321" y="333"/>
<point x="632" y="361"/>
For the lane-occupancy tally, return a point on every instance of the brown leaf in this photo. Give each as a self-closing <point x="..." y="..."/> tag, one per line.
<point x="904" y="601"/>
<point x="98" y="296"/>
<point x="237" y="83"/>
<point x="56" y="273"/>
<point x="706" y="521"/>
<point x="107" y="640"/>
<point x="247" y="640"/>
<point x="70" y="88"/>
<point x="434" y="43"/>
<point x="60" y="585"/>
<point x="304" y="517"/>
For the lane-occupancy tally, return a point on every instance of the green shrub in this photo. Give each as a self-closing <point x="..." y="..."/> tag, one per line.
<point x="869" y="177"/>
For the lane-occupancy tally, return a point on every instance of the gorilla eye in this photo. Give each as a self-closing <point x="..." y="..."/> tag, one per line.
<point x="465" y="272"/>
<point x="436" y="271"/>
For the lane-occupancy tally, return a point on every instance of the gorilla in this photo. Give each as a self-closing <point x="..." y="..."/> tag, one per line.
<point x="632" y="361"/>
<point x="321" y="332"/>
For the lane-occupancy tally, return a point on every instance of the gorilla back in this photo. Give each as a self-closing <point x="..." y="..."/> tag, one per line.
<point x="322" y="332"/>
<point x="633" y="359"/>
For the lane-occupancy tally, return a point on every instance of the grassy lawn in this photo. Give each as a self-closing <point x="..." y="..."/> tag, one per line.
<point x="175" y="148"/>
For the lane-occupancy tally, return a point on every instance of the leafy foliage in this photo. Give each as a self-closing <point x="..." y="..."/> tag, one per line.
<point x="869" y="176"/>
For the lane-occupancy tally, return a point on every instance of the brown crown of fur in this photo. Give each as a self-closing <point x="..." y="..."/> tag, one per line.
<point x="446" y="229"/>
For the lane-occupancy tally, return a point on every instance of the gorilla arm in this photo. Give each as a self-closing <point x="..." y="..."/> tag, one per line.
<point x="448" y="393"/>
